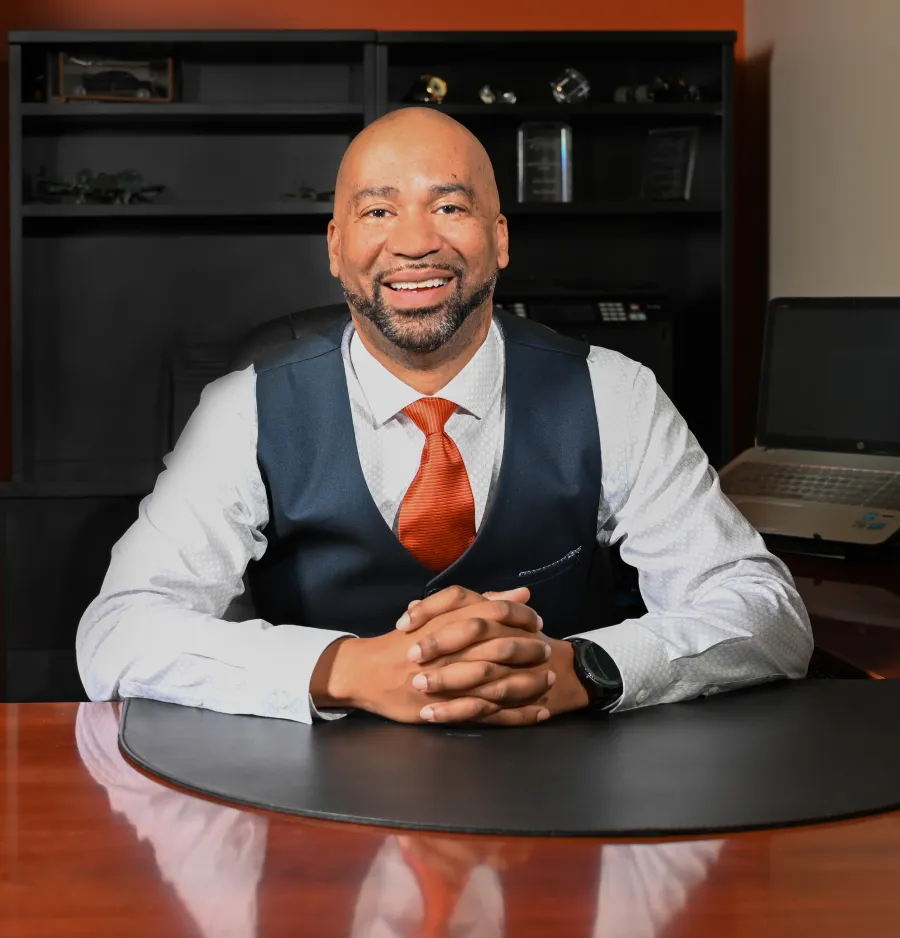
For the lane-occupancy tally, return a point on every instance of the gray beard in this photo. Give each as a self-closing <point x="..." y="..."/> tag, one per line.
<point x="432" y="331"/>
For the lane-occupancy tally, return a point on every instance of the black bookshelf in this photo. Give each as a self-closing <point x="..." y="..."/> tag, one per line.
<point x="120" y="313"/>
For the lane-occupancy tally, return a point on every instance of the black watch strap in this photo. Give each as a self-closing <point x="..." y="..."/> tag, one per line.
<point x="597" y="673"/>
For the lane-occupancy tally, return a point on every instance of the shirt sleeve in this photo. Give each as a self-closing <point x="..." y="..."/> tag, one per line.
<point x="722" y="611"/>
<point x="162" y="625"/>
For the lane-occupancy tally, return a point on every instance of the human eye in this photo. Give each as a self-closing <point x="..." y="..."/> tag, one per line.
<point x="453" y="209"/>
<point x="372" y="213"/>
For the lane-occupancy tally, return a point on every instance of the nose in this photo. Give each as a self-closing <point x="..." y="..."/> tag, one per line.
<point x="413" y="235"/>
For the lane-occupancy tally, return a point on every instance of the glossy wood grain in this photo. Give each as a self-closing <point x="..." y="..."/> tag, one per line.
<point x="93" y="847"/>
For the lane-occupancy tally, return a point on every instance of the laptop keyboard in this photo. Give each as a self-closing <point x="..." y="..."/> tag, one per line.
<point x="838" y="486"/>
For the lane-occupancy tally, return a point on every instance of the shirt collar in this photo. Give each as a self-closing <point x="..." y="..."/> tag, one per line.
<point x="473" y="389"/>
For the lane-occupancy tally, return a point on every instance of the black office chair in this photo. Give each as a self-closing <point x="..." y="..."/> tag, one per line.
<point x="278" y="331"/>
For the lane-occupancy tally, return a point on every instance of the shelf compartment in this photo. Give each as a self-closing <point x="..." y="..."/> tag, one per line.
<point x="565" y="112"/>
<point x="187" y="210"/>
<point x="88" y="114"/>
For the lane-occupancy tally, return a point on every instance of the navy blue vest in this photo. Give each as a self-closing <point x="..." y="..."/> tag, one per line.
<point x="332" y="562"/>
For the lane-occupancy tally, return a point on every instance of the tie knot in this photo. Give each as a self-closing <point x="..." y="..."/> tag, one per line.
<point x="430" y="414"/>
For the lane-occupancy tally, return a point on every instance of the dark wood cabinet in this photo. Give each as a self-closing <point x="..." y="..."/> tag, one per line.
<point x="121" y="313"/>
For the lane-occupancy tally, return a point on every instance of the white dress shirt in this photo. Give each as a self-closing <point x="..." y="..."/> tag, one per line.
<point x="722" y="610"/>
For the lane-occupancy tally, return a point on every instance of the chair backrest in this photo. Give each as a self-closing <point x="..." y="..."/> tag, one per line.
<point x="279" y="331"/>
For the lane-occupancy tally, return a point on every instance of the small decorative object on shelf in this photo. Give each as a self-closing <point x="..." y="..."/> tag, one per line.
<point x="545" y="162"/>
<point x="122" y="188"/>
<point x="309" y="194"/>
<point x="102" y="78"/>
<point x="669" y="159"/>
<point x="428" y="89"/>
<point x="489" y="96"/>
<point x="571" y="87"/>
<point x="660" y="90"/>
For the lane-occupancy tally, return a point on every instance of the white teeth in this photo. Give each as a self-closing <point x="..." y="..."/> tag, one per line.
<point x="417" y="284"/>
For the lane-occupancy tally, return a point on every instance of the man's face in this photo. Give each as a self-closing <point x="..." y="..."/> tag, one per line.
<point x="417" y="240"/>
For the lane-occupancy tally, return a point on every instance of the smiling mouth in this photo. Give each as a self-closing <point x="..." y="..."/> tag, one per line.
<point x="419" y="286"/>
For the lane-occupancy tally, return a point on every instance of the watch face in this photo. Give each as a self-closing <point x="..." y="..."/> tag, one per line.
<point x="593" y="658"/>
<point x="591" y="662"/>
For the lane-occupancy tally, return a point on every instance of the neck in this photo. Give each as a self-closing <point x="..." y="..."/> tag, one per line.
<point x="428" y="372"/>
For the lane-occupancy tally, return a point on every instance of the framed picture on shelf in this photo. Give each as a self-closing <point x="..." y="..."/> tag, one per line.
<point x="105" y="78"/>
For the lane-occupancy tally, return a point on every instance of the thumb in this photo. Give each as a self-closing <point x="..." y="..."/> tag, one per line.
<point x="520" y="594"/>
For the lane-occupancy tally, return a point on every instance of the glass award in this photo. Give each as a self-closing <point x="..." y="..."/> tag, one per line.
<point x="545" y="162"/>
<point x="669" y="161"/>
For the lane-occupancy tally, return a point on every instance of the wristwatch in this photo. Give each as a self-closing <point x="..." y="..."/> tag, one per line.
<point x="597" y="672"/>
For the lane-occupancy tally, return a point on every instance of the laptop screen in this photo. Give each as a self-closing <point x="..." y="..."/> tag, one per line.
<point x="831" y="376"/>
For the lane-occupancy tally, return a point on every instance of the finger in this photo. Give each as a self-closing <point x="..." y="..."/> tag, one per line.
<point x="458" y="710"/>
<point x="484" y="620"/>
<point x="421" y="611"/>
<point x="465" y="709"/>
<point x="520" y="594"/>
<point x="451" y="597"/>
<point x="514" y="652"/>
<point x="463" y="676"/>
<point x="518" y="716"/>
<point x="516" y="689"/>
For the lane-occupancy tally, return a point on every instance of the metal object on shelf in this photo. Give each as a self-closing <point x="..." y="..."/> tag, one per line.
<point x="105" y="78"/>
<point x="489" y="96"/>
<point x="121" y="188"/>
<point x="309" y="194"/>
<point x="571" y="87"/>
<point x="660" y="90"/>
<point x="428" y="89"/>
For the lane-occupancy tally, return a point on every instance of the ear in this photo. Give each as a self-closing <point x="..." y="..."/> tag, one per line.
<point x="502" y="235"/>
<point x="334" y="248"/>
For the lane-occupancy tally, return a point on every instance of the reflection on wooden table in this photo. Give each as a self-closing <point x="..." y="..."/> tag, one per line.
<point x="92" y="846"/>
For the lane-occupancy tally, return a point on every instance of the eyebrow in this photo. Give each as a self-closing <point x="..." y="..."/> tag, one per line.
<point x="380" y="192"/>
<point x="385" y="192"/>
<point x="448" y="188"/>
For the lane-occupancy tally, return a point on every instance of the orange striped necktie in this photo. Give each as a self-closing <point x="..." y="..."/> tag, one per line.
<point x="441" y="891"/>
<point x="436" y="523"/>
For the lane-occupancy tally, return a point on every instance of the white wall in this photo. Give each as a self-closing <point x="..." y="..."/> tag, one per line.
<point x="834" y="194"/>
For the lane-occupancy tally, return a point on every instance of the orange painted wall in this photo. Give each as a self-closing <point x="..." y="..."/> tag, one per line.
<point x="337" y="14"/>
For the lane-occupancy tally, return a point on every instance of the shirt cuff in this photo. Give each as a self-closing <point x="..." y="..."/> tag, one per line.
<point x="288" y="671"/>
<point x="641" y="659"/>
<point x="332" y="714"/>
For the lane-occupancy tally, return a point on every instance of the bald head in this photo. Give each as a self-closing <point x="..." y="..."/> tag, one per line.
<point x="411" y="136"/>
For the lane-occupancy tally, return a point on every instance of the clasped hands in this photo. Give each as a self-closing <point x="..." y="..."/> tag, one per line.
<point x="455" y="656"/>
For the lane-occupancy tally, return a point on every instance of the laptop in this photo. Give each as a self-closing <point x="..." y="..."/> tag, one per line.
<point x="826" y="464"/>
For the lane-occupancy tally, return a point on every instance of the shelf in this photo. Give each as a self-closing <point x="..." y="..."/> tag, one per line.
<point x="95" y="112"/>
<point x="279" y="209"/>
<point x="552" y="111"/>
<point x="122" y="489"/>
<point x="186" y="210"/>
<point x="117" y="37"/>
<point x="635" y="207"/>
<point x="527" y="37"/>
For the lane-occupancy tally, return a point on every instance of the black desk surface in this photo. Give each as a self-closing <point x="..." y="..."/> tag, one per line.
<point x="794" y="752"/>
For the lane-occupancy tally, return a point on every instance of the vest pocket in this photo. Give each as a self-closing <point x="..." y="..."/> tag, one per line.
<point x="550" y="570"/>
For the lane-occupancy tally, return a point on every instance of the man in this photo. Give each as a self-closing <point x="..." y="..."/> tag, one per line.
<point x="425" y="447"/>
